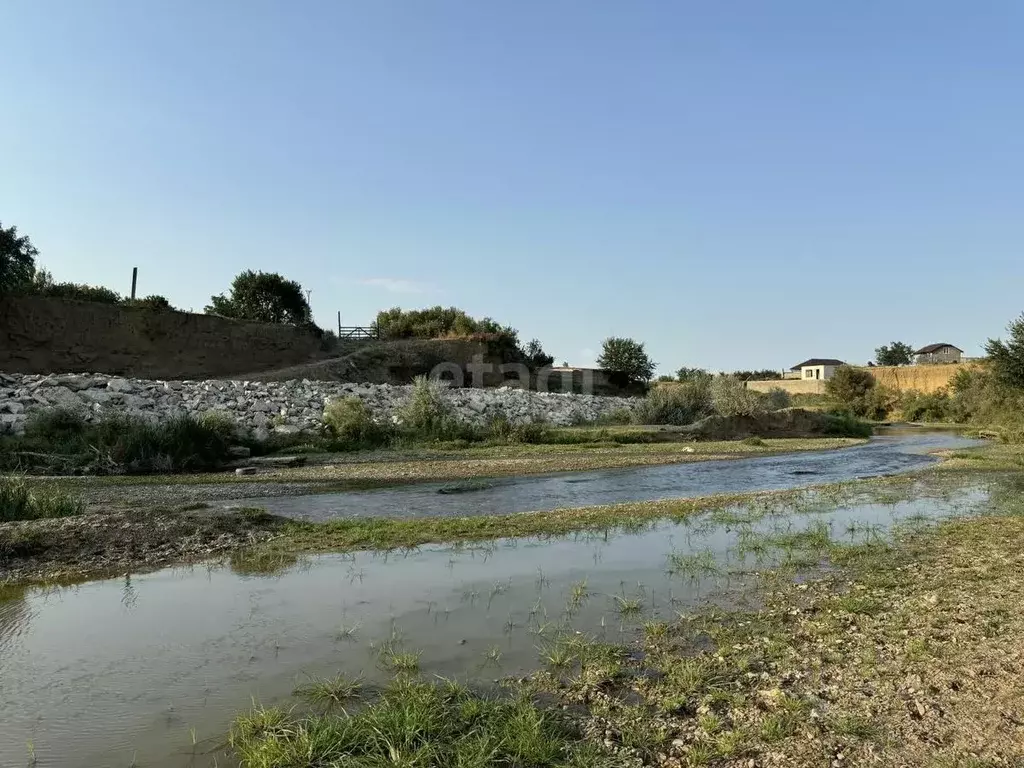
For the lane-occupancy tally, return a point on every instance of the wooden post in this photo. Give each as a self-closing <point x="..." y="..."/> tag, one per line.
<point x="135" y="279"/>
<point x="339" y="323"/>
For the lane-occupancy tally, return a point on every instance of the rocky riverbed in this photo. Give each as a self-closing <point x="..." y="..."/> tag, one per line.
<point x="266" y="407"/>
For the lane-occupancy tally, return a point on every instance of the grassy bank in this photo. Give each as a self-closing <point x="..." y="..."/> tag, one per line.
<point x="903" y="653"/>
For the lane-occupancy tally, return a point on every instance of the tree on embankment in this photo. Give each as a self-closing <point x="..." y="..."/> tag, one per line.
<point x="264" y="297"/>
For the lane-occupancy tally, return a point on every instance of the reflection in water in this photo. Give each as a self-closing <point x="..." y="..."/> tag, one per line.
<point x="99" y="673"/>
<point x="14" y="616"/>
<point x="897" y="451"/>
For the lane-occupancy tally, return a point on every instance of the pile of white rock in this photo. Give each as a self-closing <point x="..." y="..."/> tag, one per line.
<point x="279" y="406"/>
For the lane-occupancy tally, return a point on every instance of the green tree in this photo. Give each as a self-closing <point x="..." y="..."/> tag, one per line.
<point x="265" y="297"/>
<point x="849" y="385"/>
<point x="1008" y="357"/>
<point x="896" y="353"/>
<point x="626" y="357"/>
<point x="17" y="260"/>
<point x="536" y="357"/>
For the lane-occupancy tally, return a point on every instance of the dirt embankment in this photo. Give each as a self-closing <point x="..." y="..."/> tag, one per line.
<point x="115" y="542"/>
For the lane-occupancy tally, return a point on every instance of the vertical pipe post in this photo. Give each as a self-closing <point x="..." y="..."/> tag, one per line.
<point x="135" y="280"/>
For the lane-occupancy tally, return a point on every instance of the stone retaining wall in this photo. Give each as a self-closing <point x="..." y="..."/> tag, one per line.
<point x="275" y="406"/>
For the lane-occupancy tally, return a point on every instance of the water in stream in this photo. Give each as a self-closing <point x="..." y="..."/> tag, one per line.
<point x="897" y="450"/>
<point x="151" y="668"/>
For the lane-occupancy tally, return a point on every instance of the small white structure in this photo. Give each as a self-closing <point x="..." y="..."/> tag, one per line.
<point x="936" y="354"/>
<point x="819" y="368"/>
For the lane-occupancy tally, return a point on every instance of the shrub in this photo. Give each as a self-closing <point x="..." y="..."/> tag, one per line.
<point x="153" y="303"/>
<point x="1008" y="357"/>
<point x="857" y="393"/>
<point x="777" y="398"/>
<point x="932" y="406"/>
<point x="849" y="384"/>
<point x="731" y="398"/>
<point x="62" y="441"/>
<point x="618" y="416"/>
<point x="845" y="425"/>
<point x="19" y="502"/>
<point x="685" y="374"/>
<point x="677" y="404"/>
<point x="426" y="414"/>
<point x="351" y="424"/>
<point x="501" y="429"/>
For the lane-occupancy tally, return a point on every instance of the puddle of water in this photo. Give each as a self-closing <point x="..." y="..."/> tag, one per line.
<point x="116" y="670"/>
<point x="897" y="450"/>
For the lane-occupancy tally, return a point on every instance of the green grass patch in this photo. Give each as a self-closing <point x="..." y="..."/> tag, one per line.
<point x="414" y="723"/>
<point x="21" y="501"/>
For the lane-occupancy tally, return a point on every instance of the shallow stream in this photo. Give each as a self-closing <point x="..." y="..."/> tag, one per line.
<point x="149" y="670"/>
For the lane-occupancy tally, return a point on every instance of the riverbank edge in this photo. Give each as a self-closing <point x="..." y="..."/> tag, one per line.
<point x="101" y="545"/>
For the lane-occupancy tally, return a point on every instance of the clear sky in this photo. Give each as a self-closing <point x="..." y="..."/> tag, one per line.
<point x="738" y="184"/>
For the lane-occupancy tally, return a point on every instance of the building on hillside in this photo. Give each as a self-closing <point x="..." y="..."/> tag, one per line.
<point x="938" y="353"/>
<point x="817" y="368"/>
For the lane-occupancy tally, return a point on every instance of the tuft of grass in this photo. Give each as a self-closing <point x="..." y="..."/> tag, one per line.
<point x="330" y="692"/>
<point x="414" y="723"/>
<point x="693" y="565"/>
<point x="406" y="662"/>
<point x="628" y="606"/>
<point x="19" y="501"/>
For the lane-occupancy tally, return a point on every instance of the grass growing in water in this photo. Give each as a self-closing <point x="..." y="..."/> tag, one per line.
<point x="414" y="723"/>
<point x="330" y="692"/>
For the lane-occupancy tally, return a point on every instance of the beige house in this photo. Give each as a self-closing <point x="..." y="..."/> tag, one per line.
<point x="938" y="353"/>
<point x="818" y="368"/>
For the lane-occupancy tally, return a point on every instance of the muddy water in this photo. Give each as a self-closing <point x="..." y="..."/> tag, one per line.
<point x="892" y="452"/>
<point x="121" y="670"/>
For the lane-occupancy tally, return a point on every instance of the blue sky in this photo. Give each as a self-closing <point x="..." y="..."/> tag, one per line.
<point x="738" y="184"/>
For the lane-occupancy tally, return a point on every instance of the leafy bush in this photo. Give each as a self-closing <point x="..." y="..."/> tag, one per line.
<point x="61" y="441"/>
<point x="1008" y="357"/>
<point x="616" y="417"/>
<point x="76" y="291"/>
<point x="432" y="323"/>
<point x="427" y="415"/>
<point x="763" y="374"/>
<point x="846" y="425"/>
<point x="857" y="393"/>
<point x="731" y="398"/>
<point x="692" y="374"/>
<point x="502" y="430"/>
<point x="932" y="406"/>
<point x="351" y="424"/>
<point x="20" y="502"/>
<point x="677" y="404"/>
<point x="154" y="303"/>
<point x="17" y="260"/>
<point x="849" y="384"/>
<point x="777" y="398"/>
<point x="264" y="297"/>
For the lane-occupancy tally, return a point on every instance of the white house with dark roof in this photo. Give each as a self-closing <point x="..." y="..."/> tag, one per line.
<point x="817" y="368"/>
<point x="938" y="353"/>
